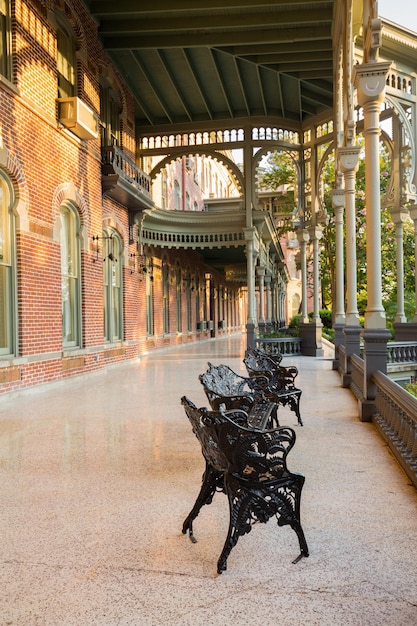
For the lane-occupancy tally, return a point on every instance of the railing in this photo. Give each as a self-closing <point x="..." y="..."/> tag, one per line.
<point x="357" y="376"/>
<point x="396" y="420"/>
<point x="279" y="345"/>
<point x="113" y="158"/>
<point x="399" y="352"/>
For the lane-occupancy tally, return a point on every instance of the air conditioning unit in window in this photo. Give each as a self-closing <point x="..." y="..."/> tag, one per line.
<point x="189" y="163"/>
<point x="78" y="117"/>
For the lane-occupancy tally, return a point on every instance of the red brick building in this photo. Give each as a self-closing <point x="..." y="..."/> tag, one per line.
<point x="77" y="292"/>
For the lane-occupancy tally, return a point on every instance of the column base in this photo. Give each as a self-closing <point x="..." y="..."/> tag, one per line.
<point x="311" y="339"/>
<point x="250" y="335"/>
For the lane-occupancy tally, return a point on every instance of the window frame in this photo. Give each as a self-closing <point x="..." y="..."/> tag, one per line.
<point x="6" y="50"/>
<point x="109" y="116"/>
<point x="66" y="50"/>
<point x="10" y="290"/>
<point x="72" y="241"/>
<point x="112" y="294"/>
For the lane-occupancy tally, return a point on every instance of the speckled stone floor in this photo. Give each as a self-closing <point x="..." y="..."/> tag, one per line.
<point x="98" y="473"/>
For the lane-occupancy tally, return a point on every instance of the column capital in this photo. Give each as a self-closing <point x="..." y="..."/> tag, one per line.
<point x="303" y="236"/>
<point x="349" y="158"/>
<point x="400" y="215"/>
<point x="338" y="198"/>
<point x="370" y="79"/>
<point x="315" y="232"/>
<point x="412" y="209"/>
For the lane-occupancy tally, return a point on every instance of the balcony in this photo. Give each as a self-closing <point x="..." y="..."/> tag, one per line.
<point x="123" y="181"/>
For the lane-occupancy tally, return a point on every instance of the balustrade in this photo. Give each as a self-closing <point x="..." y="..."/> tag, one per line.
<point x="396" y="420"/>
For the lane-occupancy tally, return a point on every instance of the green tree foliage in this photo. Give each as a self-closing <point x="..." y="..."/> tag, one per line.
<point x="278" y="173"/>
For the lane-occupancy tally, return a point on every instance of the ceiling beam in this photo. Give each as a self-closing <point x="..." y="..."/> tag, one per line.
<point x="211" y="39"/>
<point x="198" y="82"/>
<point x="179" y="24"/>
<point x="174" y="83"/>
<point x="152" y="85"/>
<point x="133" y="7"/>
<point x="291" y="57"/>
<point x="242" y="87"/>
<point x="288" y="47"/>
<point x="221" y="82"/>
<point x="261" y="89"/>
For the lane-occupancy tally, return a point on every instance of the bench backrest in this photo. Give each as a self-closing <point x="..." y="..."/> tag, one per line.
<point x="209" y="447"/>
<point x="222" y="380"/>
<point x="251" y="456"/>
<point x="257" y="361"/>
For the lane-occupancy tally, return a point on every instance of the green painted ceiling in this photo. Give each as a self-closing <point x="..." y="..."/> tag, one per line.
<point x="220" y="60"/>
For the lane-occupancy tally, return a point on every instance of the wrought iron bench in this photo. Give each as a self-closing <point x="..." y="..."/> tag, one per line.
<point x="280" y="379"/>
<point x="223" y="386"/>
<point x="250" y="467"/>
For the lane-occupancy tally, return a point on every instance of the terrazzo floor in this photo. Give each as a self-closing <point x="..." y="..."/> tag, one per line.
<point x="98" y="473"/>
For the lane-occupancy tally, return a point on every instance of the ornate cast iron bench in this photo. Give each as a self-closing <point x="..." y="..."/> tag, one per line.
<point x="249" y="466"/>
<point x="280" y="384"/>
<point x="223" y="386"/>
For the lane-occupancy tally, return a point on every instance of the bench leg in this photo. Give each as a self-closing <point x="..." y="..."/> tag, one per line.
<point x="212" y="480"/>
<point x="293" y="400"/>
<point x="291" y="516"/>
<point x="239" y="519"/>
<point x="297" y="408"/>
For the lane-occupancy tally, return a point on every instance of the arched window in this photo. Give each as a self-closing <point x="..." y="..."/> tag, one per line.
<point x="112" y="285"/>
<point x="66" y="59"/>
<point x="8" y="309"/>
<point x="188" y="201"/>
<point x="70" y="276"/>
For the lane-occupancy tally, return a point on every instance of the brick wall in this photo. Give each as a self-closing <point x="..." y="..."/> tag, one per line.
<point x="49" y="165"/>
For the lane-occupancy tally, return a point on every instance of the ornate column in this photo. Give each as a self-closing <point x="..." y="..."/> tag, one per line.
<point x="310" y="333"/>
<point x="349" y="162"/>
<point x="251" y="255"/>
<point x="316" y="233"/>
<point x="303" y="237"/>
<point x="260" y="271"/>
<point x="413" y="215"/>
<point x="399" y="217"/>
<point x="268" y="281"/>
<point x="408" y="331"/>
<point x="369" y="80"/>
<point x="338" y="202"/>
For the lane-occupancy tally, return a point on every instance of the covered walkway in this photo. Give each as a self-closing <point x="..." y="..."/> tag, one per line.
<point x="98" y="473"/>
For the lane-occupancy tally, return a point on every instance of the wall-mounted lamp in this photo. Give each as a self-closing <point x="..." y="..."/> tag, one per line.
<point x="110" y="256"/>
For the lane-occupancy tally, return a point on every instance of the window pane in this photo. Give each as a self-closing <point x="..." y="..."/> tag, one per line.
<point x="65" y="63"/>
<point x="5" y="43"/>
<point x="7" y="310"/>
<point x="5" y="318"/>
<point x="4" y="225"/>
<point x="112" y="286"/>
<point x="70" y="279"/>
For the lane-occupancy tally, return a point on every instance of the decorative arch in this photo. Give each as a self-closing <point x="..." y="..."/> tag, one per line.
<point x="68" y="192"/>
<point x="203" y="151"/>
<point x="75" y="22"/>
<point x="111" y="221"/>
<point x="331" y="148"/>
<point x="14" y="169"/>
<point x="411" y="189"/>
